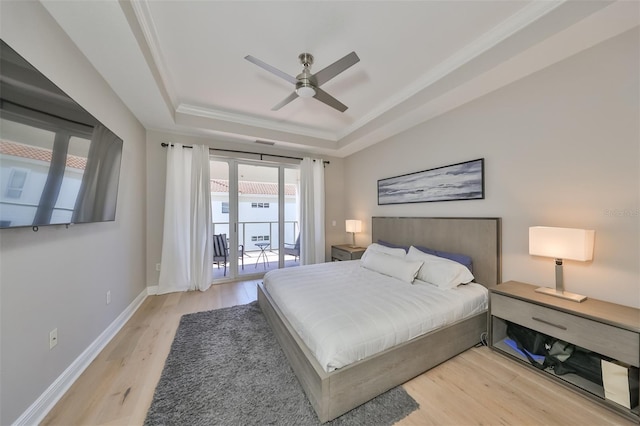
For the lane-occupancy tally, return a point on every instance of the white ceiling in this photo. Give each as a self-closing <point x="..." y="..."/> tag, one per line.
<point x="179" y="65"/>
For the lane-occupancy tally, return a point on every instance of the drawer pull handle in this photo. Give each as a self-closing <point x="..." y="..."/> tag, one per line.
<point x="561" y="327"/>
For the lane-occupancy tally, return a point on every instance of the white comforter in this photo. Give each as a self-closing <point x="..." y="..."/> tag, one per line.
<point x="345" y="313"/>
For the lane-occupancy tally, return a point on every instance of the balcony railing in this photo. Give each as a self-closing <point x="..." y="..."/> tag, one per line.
<point x="252" y="232"/>
<point x="250" y="262"/>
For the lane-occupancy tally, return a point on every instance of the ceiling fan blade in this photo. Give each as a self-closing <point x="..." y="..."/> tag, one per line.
<point x="271" y="69"/>
<point x="336" y="68"/>
<point x="323" y="96"/>
<point x="285" y="101"/>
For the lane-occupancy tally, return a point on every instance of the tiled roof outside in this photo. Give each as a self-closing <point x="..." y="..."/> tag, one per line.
<point x="253" y="188"/>
<point x="40" y="154"/>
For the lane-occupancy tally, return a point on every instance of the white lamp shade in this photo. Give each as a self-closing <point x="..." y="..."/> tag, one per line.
<point x="561" y="243"/>
<point x="353" y="225"/>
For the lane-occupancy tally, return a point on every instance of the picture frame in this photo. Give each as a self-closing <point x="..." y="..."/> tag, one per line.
<point x="460" y="181"/>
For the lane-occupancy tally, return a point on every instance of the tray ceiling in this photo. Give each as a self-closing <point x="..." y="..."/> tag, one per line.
<point x="179" y="65"/>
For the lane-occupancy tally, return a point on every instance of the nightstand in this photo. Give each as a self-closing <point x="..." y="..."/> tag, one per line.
<point x="606" y="328"/>
<point x="346" y="252"/>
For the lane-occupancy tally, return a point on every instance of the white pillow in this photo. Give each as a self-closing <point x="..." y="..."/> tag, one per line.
<point x="439" y="271"/>
<point x="379" y="248"/>
<point x="392" y="266"/>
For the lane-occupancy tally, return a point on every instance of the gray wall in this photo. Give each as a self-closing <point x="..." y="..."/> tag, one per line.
<point x="157" y="173"/>
<point x="561" y="148"/>
<point x="59" y="277"/>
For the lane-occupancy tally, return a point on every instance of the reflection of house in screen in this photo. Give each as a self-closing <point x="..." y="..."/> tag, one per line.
<point x="58" y="164"/>
<point x="25" y="169"/>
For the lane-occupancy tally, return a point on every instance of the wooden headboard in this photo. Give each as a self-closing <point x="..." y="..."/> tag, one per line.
<point x="479" y="238"/>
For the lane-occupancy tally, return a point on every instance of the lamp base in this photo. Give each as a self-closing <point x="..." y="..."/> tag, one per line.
<point x="561" y="294"/>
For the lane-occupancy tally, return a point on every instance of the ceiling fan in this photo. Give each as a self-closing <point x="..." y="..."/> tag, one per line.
<point x="307" y="84"/>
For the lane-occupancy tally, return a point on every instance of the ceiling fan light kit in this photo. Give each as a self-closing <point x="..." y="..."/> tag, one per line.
<point x="306" y="91"/>
<point x="307" y="84"/>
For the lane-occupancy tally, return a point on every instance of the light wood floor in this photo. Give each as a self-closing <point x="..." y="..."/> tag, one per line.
<point x="477" y="387"/>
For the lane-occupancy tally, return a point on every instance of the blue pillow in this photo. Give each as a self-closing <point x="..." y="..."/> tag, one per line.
<point x="387" y="244"/>
<point x="427" y="250"/>
<point x="456" y="257"/>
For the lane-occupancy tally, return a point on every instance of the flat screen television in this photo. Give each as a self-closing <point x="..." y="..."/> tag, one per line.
<point x="58" y="164"/>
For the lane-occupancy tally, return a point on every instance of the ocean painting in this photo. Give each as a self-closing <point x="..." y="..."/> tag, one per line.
<point x="462" y="181"/>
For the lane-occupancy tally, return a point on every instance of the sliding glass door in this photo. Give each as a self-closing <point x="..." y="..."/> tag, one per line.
<point x="255" y="205"/>
<point x="258" y="212"/>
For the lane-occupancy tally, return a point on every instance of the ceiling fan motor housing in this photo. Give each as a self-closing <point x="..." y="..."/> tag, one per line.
<point x="306" y="85"/>
<point x="304" y="89"/>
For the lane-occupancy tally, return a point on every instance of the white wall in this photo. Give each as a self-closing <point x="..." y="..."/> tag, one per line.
<point x="561" y="148"/>
<point x="57" y="277"/>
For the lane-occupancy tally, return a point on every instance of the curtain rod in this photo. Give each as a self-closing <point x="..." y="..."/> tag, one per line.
<point x="164" y="145"/>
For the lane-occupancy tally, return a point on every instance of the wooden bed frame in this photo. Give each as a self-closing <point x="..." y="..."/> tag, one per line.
<point x="333" y="394"/>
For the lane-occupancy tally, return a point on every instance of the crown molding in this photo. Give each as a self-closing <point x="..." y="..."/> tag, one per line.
<point x="611" y="21"/>
<point x="253" y="122"/>
<point x="145" y="21"/>
<point x="526" y="16"/>
<point x="490" y="39"/>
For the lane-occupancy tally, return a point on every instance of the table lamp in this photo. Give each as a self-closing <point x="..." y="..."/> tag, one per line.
<point x="353" y="226"/>
<point x="561" y="243"/>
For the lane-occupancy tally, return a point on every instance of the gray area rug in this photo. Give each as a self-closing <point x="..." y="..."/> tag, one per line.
<point x="226" y="367"/>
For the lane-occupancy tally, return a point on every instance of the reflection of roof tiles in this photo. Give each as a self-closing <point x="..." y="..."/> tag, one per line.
<point x="252" y="188"/>
<point x="39" y="154"/>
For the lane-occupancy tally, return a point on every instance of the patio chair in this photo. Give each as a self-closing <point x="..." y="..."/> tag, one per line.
<point x="221" y="251"/>
<point x="293" y="249"/>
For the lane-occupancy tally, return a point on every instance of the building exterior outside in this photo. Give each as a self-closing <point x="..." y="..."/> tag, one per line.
<point x="257" y="212"/>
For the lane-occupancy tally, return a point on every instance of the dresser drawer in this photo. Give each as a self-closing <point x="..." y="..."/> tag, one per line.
<point x="336" y="253"/>
<point x="617" y="343"/>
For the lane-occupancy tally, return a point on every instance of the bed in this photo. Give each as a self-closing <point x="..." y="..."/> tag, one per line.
<point x="333" y="393"/>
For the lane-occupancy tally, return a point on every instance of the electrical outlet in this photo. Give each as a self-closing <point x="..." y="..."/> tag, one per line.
<point x="157" y="267"/>
<point x="53" y="338"/>
<point x="108" y="297"/>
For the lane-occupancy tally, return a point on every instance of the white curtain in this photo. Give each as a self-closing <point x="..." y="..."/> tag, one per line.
<point x="311" y="211"/>
<point x="187" y="243"/>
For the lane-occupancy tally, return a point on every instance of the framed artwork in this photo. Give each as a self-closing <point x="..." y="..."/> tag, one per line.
<point x="461" y="181"/>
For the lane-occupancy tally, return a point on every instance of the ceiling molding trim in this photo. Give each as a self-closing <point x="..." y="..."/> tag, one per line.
<point x="610" y="22"/>
<point x="516" y="22"/>
<point x="254" y="122"/>
<point x="148" y="28"/>
<point x="203" y="134"/>
<point x="209" y="136"/>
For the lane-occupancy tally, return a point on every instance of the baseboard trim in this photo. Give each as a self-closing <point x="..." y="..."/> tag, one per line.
<point x="41" y="407"/>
